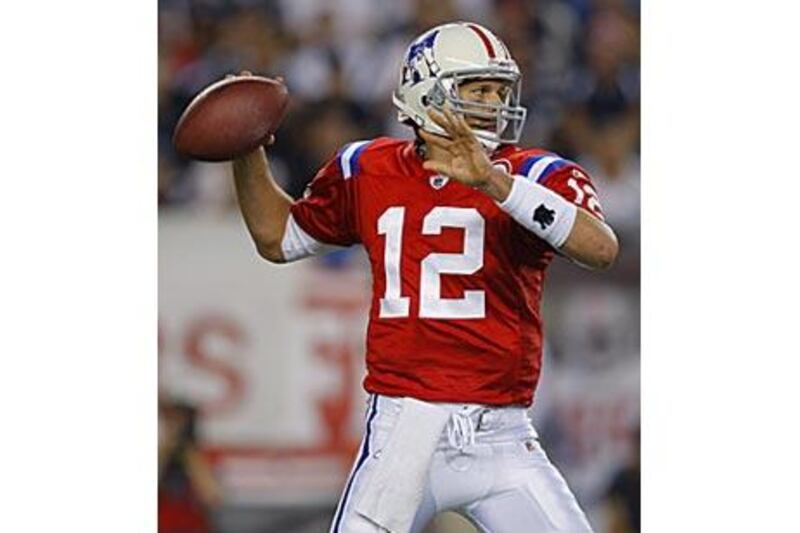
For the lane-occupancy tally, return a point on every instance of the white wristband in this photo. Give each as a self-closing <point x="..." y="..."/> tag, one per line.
<point x="540" y="210"/>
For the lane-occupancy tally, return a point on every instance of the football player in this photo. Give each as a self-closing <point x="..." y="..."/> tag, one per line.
<point x="459" y="226"/>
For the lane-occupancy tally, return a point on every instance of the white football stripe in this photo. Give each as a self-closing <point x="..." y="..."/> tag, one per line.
<point x="346" y="159"/>
<point x="538" y="168"/>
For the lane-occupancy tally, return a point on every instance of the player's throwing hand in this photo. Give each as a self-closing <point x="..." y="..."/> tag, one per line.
<point x="463" y="157"/>
<point x="245" y="74"/>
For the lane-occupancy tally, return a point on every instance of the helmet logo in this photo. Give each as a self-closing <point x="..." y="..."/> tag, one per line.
<point x="420" y="51"/>
<point x="416" y="49"/>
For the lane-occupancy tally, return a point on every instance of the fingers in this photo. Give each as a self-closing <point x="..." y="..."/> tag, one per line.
<point x="242" y="74"/>
<point x="454" y="124"/>
<point x="460" y="125"/>
<point x="440" y="120"/>
<point x="436" y="140"/>
<point x="464" y="127"/>
<point x="453" y="120"/>
<point x="438" y="167"/>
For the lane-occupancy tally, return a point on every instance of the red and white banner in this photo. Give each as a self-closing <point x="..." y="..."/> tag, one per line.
<point x="272" y="356"/>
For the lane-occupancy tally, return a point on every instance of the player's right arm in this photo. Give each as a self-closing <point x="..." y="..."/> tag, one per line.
<point x="264" y="205"/>
<point x="285" y="230"/>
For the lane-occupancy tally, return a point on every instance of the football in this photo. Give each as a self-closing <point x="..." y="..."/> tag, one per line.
<point x="231" y="118"/>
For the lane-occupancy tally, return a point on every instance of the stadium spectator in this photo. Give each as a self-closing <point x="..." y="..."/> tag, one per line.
<point x="624" y="493"/>
<point x="187" y="491"/>
<point x="612" y="158"/>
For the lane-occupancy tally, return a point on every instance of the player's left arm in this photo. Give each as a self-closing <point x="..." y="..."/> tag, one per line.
<point x="572" y="229"/>
<point x="589" y="241"/>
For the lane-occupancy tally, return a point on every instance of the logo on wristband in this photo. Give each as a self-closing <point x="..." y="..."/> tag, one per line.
<point x="544" y="216"/>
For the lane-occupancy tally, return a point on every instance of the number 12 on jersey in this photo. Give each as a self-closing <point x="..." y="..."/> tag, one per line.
<point x="469" y="261"/>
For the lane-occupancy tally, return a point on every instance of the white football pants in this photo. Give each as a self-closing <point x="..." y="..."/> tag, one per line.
<point x="488" y="467"/>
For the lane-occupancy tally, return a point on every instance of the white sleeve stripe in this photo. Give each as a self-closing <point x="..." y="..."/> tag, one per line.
<point x="297" y="244"/>
<point x="346" y="159"/>
<point x="538" y="168"/>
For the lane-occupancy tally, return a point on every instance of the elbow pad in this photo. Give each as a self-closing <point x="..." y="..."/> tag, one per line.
<point x="542" y="211"/>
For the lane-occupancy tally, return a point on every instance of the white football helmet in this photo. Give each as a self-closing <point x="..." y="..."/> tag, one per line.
<point x="444" y="57"/>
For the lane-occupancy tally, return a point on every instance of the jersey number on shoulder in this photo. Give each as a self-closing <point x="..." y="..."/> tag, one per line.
<point x="431" y="303"/>
<point x="586" y="192"/>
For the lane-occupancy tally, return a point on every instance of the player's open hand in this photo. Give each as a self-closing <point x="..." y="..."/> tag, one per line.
<point x="465" y="158"/>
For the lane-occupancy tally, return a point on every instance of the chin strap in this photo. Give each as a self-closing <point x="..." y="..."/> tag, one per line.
<point x="489" y="146"/>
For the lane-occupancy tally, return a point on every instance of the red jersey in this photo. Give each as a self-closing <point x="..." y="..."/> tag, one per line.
<point x="456" y="282"/>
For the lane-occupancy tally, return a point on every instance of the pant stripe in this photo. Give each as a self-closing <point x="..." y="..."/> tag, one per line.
<point x="362" y="458"/>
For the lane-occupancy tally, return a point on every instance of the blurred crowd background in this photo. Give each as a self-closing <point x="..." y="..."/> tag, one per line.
<point x="340" y="60"/>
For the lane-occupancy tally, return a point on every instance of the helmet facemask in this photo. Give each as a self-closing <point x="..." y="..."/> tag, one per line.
<point x="504" y="121"/>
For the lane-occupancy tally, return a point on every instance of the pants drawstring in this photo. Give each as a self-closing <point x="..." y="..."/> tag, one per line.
<point x="461" y="430"/>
